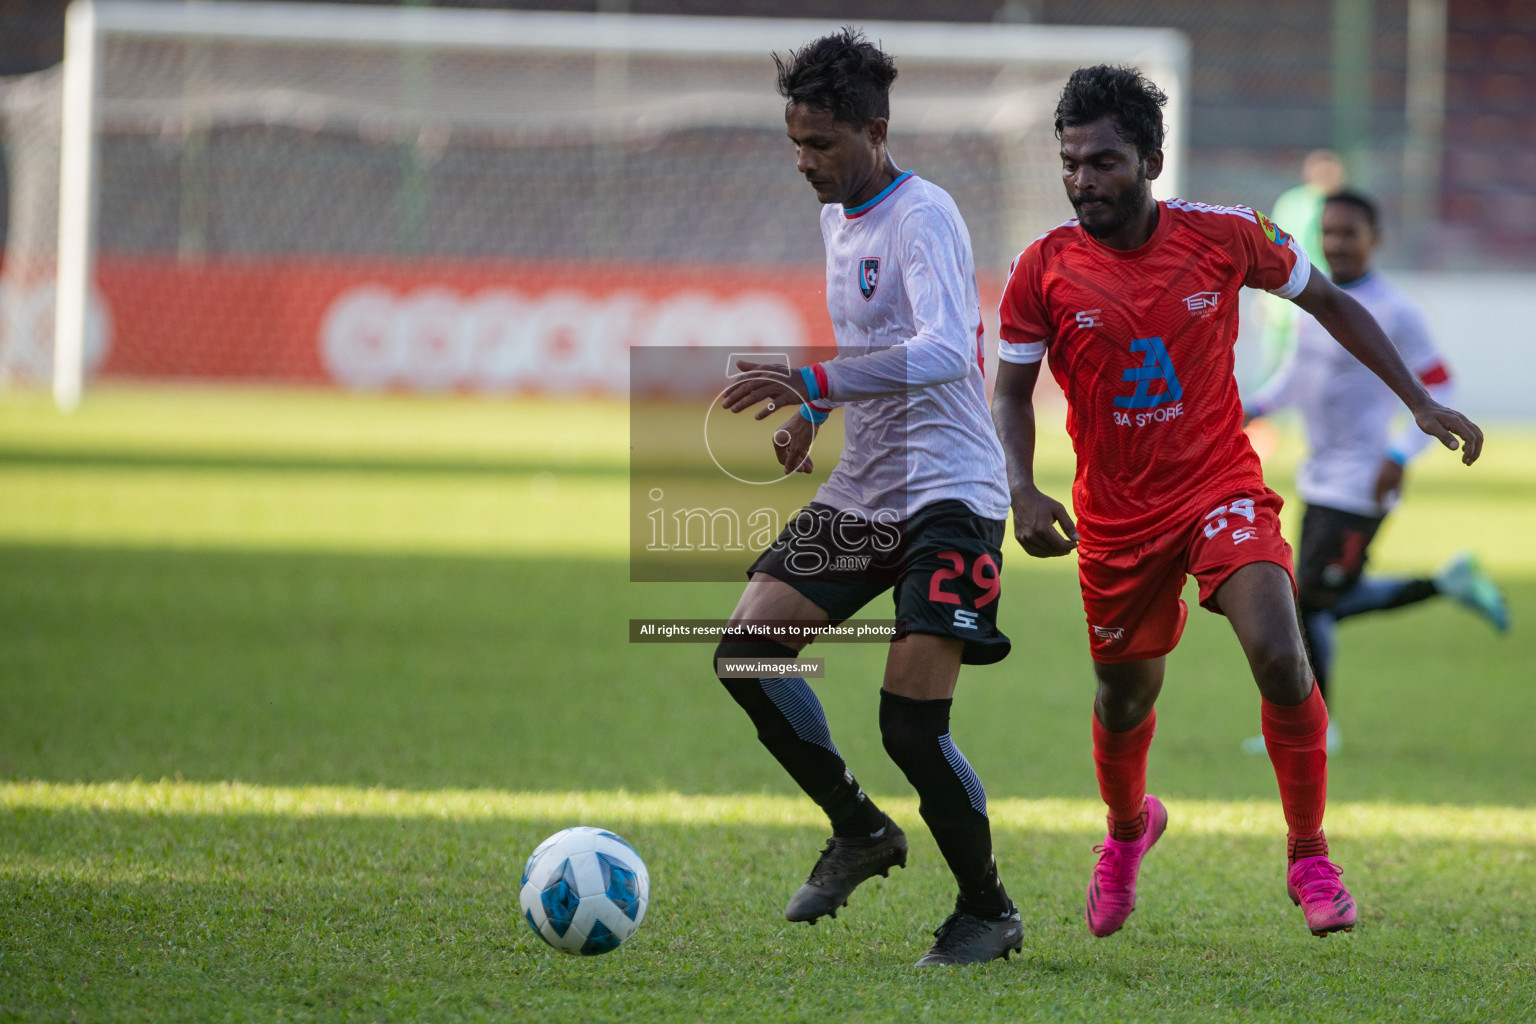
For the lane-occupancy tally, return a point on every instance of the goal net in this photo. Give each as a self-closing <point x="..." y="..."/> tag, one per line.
<point x="429" y="199"/>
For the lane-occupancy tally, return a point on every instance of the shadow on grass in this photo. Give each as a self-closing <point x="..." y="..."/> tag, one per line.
<point x="424" y="672"/>
<point x="142" y="916"/>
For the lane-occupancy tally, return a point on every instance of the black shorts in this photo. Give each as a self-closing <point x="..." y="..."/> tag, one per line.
<point x="1333" y="549"/>
<point x="944" y="563"/>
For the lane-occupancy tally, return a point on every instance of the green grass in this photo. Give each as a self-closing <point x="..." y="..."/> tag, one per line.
<point x="375" y="649"/>
<point x="243" y="903"/>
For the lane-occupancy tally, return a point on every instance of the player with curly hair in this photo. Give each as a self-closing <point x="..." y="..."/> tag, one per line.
<point x="919" y="489"/>
<point x="1136" y="302"/>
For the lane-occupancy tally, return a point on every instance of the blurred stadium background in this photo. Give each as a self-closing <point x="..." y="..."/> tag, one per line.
<point x="345" y="505"/>
<point x="277" y="215"/>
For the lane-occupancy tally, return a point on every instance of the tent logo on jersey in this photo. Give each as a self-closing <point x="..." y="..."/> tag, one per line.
<point x="869" y="276"/>
<point x="1201" y="302"/>
<point x="1272" y="230"/>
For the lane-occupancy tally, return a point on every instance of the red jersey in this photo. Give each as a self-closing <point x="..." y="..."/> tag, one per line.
<point x="1141" y="343"/>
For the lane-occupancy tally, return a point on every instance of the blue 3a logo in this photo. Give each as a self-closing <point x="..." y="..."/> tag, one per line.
<point x="869" y="276"/>
<point x="1154" y="366"/>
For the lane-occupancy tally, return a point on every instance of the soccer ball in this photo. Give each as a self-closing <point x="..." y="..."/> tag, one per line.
<point x="584" y="891"/>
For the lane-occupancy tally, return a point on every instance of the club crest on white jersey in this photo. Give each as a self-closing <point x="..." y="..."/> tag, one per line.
<point x="869" y="276"/>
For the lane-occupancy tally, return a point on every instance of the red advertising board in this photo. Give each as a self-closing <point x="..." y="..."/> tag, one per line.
<point x="435" y="326"/>
<point x="421" y="325"/>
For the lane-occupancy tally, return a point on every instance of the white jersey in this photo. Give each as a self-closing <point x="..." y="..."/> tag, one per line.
<point x="901" y="290"/>
<point x="1349" y="412"/>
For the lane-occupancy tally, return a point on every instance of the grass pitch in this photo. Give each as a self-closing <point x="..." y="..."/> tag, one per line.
<point x="293" y="683"/>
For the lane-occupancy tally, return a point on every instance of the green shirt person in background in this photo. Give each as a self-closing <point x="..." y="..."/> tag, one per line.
<point x="1300" y="211"/>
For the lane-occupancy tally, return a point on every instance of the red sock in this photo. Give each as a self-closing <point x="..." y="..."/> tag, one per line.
<point x="1120" y="759"/>
<point x="1297" y="741"/>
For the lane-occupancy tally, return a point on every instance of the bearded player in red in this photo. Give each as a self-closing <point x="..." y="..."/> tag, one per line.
<point x="1135" y="301"/>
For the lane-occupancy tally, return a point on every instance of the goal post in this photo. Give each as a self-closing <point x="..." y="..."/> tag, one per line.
<point x="438" y="199"/>
<point x="77" y="201"/>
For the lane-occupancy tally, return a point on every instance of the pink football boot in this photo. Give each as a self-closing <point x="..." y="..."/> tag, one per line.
<point x="1314" y="886"/>
<point x="1112" y="889"/>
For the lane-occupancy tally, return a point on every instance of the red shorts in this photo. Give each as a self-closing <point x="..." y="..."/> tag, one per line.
<point x="1131" y="594"/>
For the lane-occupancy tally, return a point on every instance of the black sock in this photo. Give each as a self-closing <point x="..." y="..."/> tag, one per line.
<point x="952" y="802"/>
<point x="790" y="723"/>
<point x="1382" y="593"/>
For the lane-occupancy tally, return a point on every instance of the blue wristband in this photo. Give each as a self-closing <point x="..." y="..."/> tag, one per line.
<point x="814" y="415"/>
<point x="1397" y="457"/>
<point x="809" y="376"/>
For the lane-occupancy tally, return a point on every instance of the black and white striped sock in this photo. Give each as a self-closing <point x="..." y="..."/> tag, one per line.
<point x="792" y="725"/>
<point x="953" y="802"/>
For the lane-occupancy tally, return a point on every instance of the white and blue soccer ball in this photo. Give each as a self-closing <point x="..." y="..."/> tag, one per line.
<point x="584" y="891"/>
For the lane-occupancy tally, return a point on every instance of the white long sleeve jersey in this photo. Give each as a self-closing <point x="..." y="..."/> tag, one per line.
<point x="909" y="374"/>
<point x="1349" y="412"/>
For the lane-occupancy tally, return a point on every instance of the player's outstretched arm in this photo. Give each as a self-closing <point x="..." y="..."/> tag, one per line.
<point x="772" y="383"/>
<point x="1036" y="516"/>
<point x="1354" y="328"/>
